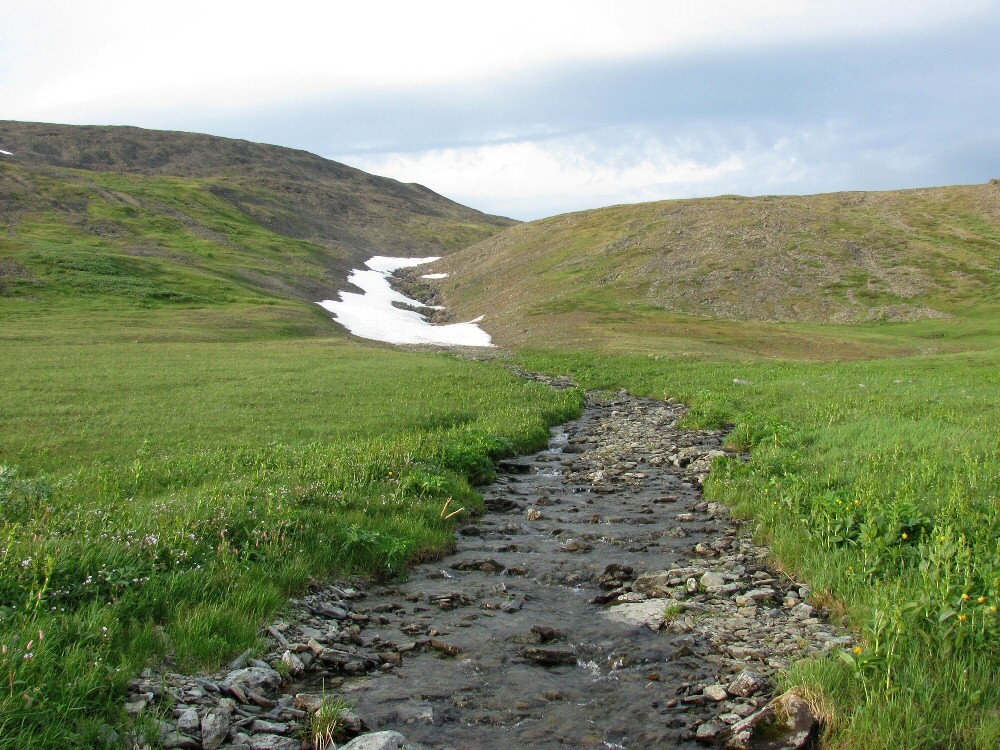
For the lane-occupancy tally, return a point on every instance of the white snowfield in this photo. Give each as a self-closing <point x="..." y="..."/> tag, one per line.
<point x="372" y="315"/>
<point x="434" y="276"/>
<point x="5" y="153"/>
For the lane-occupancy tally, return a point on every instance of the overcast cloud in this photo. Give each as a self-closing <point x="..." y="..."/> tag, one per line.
<point x="531" y="109"/>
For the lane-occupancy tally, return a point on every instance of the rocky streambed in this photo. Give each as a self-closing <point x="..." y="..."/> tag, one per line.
<point x="599" y="602"/>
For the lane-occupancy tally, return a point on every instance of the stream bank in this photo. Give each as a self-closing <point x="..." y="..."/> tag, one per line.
<point x="599" y="602"/>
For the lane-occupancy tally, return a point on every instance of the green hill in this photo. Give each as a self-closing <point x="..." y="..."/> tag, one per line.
<point x="125" y="219"/>
<point x="662" y="268"/>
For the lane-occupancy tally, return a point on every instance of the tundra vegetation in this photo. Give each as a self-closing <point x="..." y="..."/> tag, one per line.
<point x="187" y="440"/>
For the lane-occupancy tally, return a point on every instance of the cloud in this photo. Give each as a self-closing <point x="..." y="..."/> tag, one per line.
<point x="69" y="60"/>
<point x="530" y="179"/>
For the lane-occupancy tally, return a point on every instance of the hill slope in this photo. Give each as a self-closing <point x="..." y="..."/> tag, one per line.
<point x="838" y="258"/>
<point x="152" y="218"/>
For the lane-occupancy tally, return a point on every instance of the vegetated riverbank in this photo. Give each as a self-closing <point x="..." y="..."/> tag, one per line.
<point x="162" y="499"/>
<point x="878" y="482"/>
<point x="598" y="602"/>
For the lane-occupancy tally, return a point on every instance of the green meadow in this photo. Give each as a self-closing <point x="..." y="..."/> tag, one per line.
<point x="165" y="498"/>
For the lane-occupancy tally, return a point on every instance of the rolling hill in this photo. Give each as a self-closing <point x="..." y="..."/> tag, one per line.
<point x="841" y="259"/>
<point x="113" y="216"/>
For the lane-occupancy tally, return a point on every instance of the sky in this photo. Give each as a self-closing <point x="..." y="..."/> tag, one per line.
<point x="531" y="109"/>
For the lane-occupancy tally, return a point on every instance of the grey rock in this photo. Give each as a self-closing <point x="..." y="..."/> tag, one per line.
<point x="653" y="584"/>
<point x="269" y="727"/>
<point x="715" y="692"/>
<point x="172" y="740"/>
<point x="378" y="741"/>
<point x="712" y="581"/>
<point x="188" y="722"/>
<point x="709" y="732"/>
<point x="787" y="721"/>
<point x="803" y="611"/>
<point x="747" y="683"/>
<point x="215" y="725"/>
<point x="274" y="742"/>
<point x="254" y="678"/>
<point x="295" y="665"/>
<point x="241" y="661"/>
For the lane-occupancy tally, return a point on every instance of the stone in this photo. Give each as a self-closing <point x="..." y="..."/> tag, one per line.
<point x="747" y="683"/>
<point x="708" y="732"/>
<point x="254" y="678"/>
<point x="274" y="742"/>
<point x="188" y="722"/>
<point x="486" y="565"/>
<point x="716" y="693"/>
<point x="294" y="663"/>
<point x="614" y="575"/>
<point x="171" y="740"/>
<point x="309" y="701"/>
<point x="549" y="657"/>
<point x="632" y="597"/>
<point x="377" y="741"/>
<point x="712" y="581"/>
<point x="215" y="725"/>
<point x="786" y="723"/>
<point x="803" y="611"/>
<point x="546" y="633"/>
<point x="261" y="726"/>
<point x="241" y="661"/>
<point x="443" y="647"/>
<point x="653" y="584"/>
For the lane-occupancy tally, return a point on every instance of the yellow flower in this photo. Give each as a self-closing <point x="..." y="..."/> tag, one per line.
<point x="981" y="600"/>
<point x="858" y="649"/>
<point x="965" y="597"/>
<point x="905" y="535"/>
<point x="963" y="618"/>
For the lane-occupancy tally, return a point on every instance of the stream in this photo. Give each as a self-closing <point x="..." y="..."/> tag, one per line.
<point x="599" y="602"/>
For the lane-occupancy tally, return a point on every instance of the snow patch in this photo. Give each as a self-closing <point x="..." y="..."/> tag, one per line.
<point x="372" y="315"/>
<point x="434" y="276"/>
<point x="5" y="153"/>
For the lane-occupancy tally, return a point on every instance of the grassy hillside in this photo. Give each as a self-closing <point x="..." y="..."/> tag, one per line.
<point x="661" y="271"/>
<point x="154" y="219"/>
